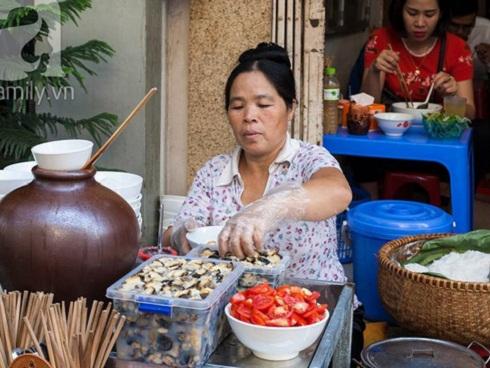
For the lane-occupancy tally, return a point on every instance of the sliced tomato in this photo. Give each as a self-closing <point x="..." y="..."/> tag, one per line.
<point x="300" y="307"/>
<point x="313" y="296"/>
<point x="258" y="317"/>
<point x="290" y="300"/>
<point x="279" y="300"/>
<point x="297" y="320"/>
<point x="321" y="308"/>
<point x="311" y="311"/>
<point x="279" y="312"/>
<point x="278" y="322"/>
<point x="244" y="311"/>
<point x="259" y="289"/>
<point x="237" y="298"/>
<point x="262" y="302"/>
<point x="313" y="318"/>
<point x="256" y="320"/>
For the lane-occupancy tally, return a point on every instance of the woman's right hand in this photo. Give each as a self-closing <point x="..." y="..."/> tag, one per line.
<point x="387" y="61"/>
<point x="178" y="239"/>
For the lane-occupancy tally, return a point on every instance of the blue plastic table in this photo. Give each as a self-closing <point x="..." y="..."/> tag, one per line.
<point x="455" y="154"/>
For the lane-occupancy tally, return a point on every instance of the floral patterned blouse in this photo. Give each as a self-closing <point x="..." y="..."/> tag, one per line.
<point x="215" y="196"/>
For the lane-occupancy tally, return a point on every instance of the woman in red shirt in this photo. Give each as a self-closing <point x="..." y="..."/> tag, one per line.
<point x="413" y="44"/>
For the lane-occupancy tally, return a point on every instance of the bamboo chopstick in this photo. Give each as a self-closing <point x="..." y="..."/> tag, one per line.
<point x="403" y="83"/>
<point x="119" y="130"/>
<point x="76" y="338"/>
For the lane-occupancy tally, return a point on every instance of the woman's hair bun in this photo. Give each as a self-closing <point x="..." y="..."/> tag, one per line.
<point x="266" y="51"/>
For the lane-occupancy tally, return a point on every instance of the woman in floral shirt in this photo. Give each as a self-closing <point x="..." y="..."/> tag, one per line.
<point x="272" y="191"/>
<point x="413" y="44"/>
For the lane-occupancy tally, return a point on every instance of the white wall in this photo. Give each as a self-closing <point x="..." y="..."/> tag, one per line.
<point x="119" y="84"/>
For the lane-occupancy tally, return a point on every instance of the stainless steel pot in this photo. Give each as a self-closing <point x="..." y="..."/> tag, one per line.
<point x="418" y="352"/>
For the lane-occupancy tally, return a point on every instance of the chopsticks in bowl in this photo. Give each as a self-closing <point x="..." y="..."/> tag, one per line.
<point x="403" y="84"/>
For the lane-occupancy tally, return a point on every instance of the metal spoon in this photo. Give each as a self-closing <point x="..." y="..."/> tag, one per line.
<point x="425" y="104"/>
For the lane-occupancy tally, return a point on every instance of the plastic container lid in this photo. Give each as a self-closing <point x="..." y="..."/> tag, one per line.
<point x="418" y="352"/>
<point x="168" y="302"/>
<point x="330" y="70"/>
<point x="390" y="219"/>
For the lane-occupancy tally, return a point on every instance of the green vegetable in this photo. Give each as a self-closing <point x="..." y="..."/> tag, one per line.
<point x="434" y="249"/>
<point x="442" y="125"/>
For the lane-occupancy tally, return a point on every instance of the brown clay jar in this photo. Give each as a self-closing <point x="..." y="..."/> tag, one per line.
<point x="65" y="233"/>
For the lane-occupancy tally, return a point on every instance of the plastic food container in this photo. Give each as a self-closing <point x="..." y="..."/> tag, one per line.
<point x="374" y="223"/>
<point x="254" y="275"/>
<point x="175" y="332"/>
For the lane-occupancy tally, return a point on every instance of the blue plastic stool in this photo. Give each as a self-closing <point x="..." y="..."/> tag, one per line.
<point x="374" y="223"/>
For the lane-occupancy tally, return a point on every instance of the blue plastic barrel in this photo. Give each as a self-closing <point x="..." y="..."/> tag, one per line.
<point x="374" y="223"/>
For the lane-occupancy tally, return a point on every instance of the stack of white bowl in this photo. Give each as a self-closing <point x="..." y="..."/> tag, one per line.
<point x="11" y="180"/>
<point x="127" y="185"/>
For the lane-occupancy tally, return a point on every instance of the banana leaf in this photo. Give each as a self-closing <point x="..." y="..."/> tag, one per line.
<point x="434" y="249"/>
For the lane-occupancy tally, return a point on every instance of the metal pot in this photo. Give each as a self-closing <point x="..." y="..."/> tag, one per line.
<point x="418" y="352"/>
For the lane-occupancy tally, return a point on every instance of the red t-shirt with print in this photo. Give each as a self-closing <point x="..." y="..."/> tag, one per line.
<point x="420" y="71"/>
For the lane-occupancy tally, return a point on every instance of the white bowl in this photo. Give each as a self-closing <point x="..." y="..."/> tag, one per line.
<point x="206" y="236"/>
<point x="127" y="185"/>
<point x="417" y="113"/>
<point x="65" y="155"/>
<point x="25" y="166"/>
<point x="275" y="343"/>
<point x="134" y="201"/>
<point x="11" y="180"/>
<point x="394" y="124"/>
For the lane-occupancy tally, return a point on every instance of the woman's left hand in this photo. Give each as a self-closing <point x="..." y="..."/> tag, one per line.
<point x="445" y="84"/>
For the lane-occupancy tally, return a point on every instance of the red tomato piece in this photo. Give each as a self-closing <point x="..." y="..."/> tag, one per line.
<point x="237" y="298"/>
<point x="259" y="289"/>
<point x="321" y="308"/>
<point x="258" y="317"/>
<point x="244" y="311"/>
<point x="300" y="307"/>
<point x="313" y="297"/>
<point x="278" y="322"/>
<point x="262" y="302"/>
<point x="297" y="320"/>
<point x="290" y="300"/>
<point x="279" y="312"/>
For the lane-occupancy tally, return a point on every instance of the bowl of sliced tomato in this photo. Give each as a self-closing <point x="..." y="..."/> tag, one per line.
<point x="277" y="323"/>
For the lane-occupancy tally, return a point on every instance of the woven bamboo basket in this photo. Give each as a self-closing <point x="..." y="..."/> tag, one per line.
<point x="432" y="306"/>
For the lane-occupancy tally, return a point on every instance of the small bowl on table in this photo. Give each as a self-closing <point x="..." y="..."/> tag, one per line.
<point x="206" y="236"/>
<point x="416" y="113"/>
<point x="394" y="124"/>
<point x="275" y="343"/>
<point x="63" y="155"/>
